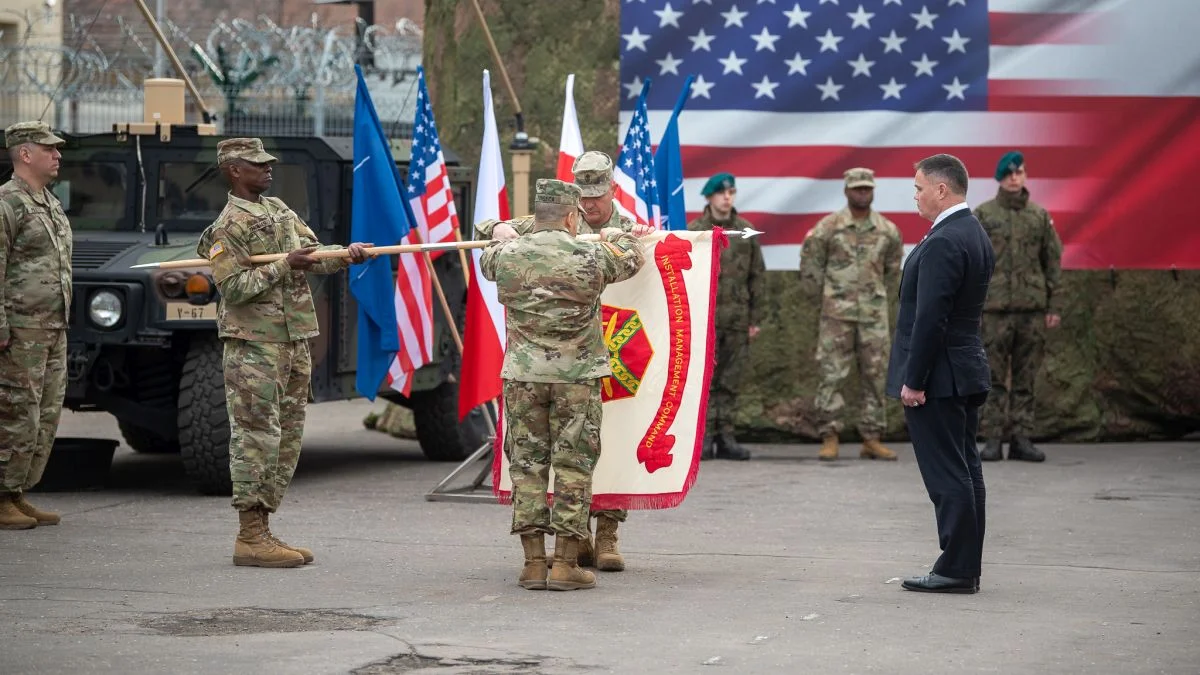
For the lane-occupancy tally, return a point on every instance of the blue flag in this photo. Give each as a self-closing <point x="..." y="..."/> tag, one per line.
<point x="379" y="216"/>
<point x="668" y="169"/>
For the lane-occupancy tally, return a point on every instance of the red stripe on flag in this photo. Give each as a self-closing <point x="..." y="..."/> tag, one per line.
<point x="1014" y="29"/>
<point x="563" y="172"/>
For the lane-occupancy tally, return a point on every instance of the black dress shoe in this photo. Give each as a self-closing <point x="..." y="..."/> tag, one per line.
<point x="936" y="583"/>
<point x="991" y="450"/>
<point x="1022" y="448"/>
<point x="729" y="448"/>
<point x="706" y="450"/>
<point x="976" y="584"/>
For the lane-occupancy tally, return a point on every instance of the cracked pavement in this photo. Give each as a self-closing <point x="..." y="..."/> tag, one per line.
<point x="780" y="564"/>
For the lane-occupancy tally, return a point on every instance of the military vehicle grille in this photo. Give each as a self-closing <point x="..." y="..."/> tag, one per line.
<point x="91" y="255"/>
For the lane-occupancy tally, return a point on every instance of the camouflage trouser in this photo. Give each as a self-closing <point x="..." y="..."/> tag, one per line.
<point x="266" y="390"/>
<point x="839" y="344"/>
<point x="33" y="380"/>
<point x="618" y="515"/>
<point x="552" y="425"/>
<point x="732" y="357"/>
<point x="1016" y="339"/>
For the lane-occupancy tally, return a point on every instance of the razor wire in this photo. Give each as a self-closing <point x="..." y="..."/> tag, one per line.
<point x="257" y="76"/>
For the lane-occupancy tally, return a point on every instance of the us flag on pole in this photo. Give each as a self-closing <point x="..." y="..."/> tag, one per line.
<point x="1101" y="97"/>
<point x="428" y="181"/>
<point x="635" y="187"/>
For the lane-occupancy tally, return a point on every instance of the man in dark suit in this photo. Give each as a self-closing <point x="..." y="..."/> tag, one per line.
<point x="939" y="369"/>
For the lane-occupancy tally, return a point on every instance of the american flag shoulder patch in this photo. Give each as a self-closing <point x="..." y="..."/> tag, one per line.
<point x="216" y="250"/>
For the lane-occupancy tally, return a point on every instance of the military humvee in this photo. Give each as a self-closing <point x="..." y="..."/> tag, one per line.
<point x="143" y="343"/>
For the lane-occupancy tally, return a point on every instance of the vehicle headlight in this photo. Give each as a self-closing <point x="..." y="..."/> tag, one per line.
<point x="105" y="309"/>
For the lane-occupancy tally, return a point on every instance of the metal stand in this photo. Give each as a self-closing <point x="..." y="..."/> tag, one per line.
<point x="442" y="493"/>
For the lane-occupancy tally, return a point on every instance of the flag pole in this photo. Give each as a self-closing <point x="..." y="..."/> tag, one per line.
<point x="421" y="248"/>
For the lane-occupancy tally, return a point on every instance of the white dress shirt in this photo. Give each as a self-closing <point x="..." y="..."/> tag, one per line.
<point x="944" y="214"/>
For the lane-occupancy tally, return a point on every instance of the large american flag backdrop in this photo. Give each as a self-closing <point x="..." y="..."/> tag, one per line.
<point x="1101" y="96"/>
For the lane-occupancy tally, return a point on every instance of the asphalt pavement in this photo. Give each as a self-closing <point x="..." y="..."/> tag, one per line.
<point x="777" y="565"/>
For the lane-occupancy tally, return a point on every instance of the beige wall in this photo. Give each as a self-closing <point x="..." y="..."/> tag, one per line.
<point x="32" y="36"/>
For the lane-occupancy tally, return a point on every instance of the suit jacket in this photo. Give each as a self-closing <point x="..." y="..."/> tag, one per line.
<point x="938" y="348"/>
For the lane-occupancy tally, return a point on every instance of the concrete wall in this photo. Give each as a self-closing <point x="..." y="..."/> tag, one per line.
<point x="29" y="49"/>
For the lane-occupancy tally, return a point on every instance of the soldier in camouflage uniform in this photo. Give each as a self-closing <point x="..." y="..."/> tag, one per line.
<point x="851" y="260"/>
<point x="35" y="303"/>
<point x="550" y="282"/>
<point x="1021" y="304"/>
<point x="265" y="318"/>
<point x="740" y="300"/>
<point x="593" y="172"/>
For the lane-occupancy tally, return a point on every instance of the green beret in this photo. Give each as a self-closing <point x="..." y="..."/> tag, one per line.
<point x="718" y="183"/>
<point x="1010" y="162"/>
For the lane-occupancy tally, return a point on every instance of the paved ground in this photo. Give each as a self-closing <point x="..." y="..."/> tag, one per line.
<point x="781" y="564"/>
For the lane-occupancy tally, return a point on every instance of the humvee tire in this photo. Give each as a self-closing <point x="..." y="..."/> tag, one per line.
<point x="442" y="437"/>
<point x="156" y="386"/>
<point x="203" y="418"/>
<point x="147" y="442"/>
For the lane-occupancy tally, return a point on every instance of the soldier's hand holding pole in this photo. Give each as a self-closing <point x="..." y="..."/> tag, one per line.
<point x="302" y="258"/>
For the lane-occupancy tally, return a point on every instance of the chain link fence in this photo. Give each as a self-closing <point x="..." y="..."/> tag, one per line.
<point x="258" y="78"/>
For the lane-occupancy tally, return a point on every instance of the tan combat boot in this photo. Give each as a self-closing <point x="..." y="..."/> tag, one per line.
<point x="254" y="549"/>
<point x="42" y="517"/>
<point x="566" y="574"/>
<point x="533" y="574"/>
<point x="608" y="555"/>
<point x="829" y="449"/>
<point x="266" y="518"/>
<point x="587" y="548"/>
<point x="873" y="449"/>
<point x="11" y="518"/>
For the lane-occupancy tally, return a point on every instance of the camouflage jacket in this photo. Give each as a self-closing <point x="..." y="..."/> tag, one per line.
<point x="524" y="225"/>
<point x="740" y="288"/>
<point x="267" y="303"/>
<point x="35" y="259"/>
<point x="1028" y="254"/>
<point x="550" y="283"/>
<point x="853" y="266"/>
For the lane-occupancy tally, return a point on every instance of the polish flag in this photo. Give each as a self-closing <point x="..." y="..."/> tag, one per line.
<point x="484" y="335"/>
<point x="570" y="146"/>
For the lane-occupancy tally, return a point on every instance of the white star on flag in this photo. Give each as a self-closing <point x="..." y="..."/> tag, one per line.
<point x="956" y="43"/>
<point x="892" y="89"/>
<point x="829" y="41"/>
<point x="734" y="16"/>
<point x="764" y="88"/>
<point x="924" y="18"/>
<point x="797" y="17"/>
<point x="668" y="16"/>
<point x="830" y="89"/>
<point x="861" y="18"/>
<point x="955" y="89"/>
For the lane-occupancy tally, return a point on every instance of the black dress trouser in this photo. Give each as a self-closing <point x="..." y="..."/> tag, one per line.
<point x="943" y="434"/>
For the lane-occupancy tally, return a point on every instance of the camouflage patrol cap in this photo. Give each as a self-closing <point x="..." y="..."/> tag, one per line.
<point x="859" y="177"/>
<point x="30" y="132"/>
<point x="550" y="191"/>
<point x="249" y="149"/>
<point x="593" y="173"/>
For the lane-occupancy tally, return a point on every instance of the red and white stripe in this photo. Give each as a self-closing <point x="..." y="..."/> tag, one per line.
<point x="1103" y="103"/>
<point x="414" y="318"/>
<point x="484" y="336"/>
<point x="570" y="144"/>
<point x="437" y="217"/>
<point x="629" y="204"/>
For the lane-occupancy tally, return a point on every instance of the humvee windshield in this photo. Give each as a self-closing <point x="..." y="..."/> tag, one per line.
<point x="192" y="195"/>
<point x="92" y="193"/>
